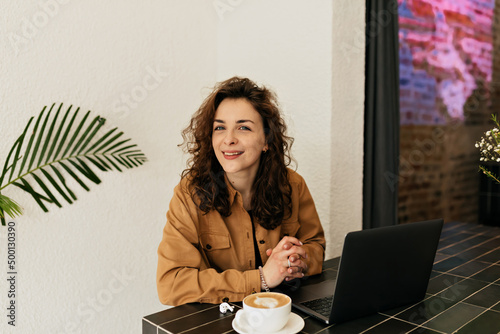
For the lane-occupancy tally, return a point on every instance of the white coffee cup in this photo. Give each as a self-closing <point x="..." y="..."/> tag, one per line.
<point x="266" y="312"/>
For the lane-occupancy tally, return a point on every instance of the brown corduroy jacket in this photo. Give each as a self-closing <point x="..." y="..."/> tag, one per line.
<point x="207" y="257"/>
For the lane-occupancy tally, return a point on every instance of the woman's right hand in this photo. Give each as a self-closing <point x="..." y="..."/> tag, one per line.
<point x="276" y="268"/>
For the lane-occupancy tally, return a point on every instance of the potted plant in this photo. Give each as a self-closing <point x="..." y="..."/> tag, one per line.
<point x="489" y="147"/>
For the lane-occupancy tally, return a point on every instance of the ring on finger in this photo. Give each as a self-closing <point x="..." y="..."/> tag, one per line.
<point x="289" y="264"/>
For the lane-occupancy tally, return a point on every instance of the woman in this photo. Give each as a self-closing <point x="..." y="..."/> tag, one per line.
<point x="240" y="221"/>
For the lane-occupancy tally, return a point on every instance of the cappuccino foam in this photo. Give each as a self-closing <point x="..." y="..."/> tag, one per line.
<point x="266" y="300"/>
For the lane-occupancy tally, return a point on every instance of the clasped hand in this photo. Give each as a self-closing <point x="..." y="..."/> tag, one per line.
<point x="277" y="267"/>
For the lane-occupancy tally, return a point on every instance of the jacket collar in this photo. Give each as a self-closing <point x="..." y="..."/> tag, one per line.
<point x="231" y="191"/>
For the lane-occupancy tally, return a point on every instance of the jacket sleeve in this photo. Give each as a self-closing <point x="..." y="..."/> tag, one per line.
<point x="184" y="274"/>
<point x="310" y="232"/>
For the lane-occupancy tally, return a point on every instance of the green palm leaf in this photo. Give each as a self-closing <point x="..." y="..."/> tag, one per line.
<point x="52" y="151"/>
<point x="9" y="207"/>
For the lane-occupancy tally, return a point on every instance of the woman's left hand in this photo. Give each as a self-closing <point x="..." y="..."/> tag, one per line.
<point x="297" y="267"/>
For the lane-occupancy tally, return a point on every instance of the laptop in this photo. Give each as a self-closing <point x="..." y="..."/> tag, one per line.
<point x="380" y="269"/>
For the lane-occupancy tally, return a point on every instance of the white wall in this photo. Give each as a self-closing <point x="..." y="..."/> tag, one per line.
<point x="90" y="267"/>
<point x="347" y="121"/>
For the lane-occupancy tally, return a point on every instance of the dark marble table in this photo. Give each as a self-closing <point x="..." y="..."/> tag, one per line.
<point x="463" y="296"/>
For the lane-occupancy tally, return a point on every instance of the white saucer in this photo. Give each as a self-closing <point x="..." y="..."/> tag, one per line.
<point x="294" y="325"/>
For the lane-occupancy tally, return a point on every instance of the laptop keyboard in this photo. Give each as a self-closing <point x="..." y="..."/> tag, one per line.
<point x="320" y="305"/>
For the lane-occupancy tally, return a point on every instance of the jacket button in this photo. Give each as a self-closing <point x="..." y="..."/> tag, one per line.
<point x="225" y="299"/>
<point x="262" y="242"/>
<point x="208" y="246"/>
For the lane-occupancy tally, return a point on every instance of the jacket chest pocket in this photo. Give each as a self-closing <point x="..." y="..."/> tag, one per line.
<point x="212" y="242"/>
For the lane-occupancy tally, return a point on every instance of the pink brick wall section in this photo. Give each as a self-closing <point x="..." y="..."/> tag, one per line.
<point x="438" y="161"/>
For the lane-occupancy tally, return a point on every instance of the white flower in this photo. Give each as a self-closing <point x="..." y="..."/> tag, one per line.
<point x="488" y="133"/>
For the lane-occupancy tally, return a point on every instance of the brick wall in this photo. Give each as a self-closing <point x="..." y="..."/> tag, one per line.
<point x="445" y="109"/>
<point x="495" y="82"/>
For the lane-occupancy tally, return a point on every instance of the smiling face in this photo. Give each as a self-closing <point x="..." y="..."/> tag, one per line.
<point x="238" y="138"/>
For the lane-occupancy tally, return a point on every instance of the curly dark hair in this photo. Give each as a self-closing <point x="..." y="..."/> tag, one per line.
<point x="271" y="201"/>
